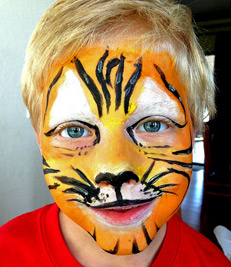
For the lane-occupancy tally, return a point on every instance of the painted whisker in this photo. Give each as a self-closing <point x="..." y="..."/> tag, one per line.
<point x="174" y="162"/>
<point x="146" y="174"/>
<point x="166" y="185"/>
<point x="79" y="188"/>
<point x="49" y="170"/>
<point x="154" y="179"/>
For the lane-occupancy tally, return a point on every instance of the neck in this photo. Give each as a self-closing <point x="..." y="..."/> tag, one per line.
<point x="79" y="242"/>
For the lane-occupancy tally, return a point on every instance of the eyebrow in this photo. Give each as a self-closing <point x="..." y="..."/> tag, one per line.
<point x="169" y="87"/>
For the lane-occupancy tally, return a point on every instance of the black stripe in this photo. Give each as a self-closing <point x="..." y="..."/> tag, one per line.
<point x="177" y="124"/>
<point x="186" y="151"/>
<point x="85" y="191"/>
<point x="100" y="77"/>
<point x="54" y="186"/>
<point x="180" y="163"/>
<point x="90" y="84"/>
<point x="79" y="188"/>
<point x="169" y="86"/>
<point x="185" y="174"/>
<point x="166" y="185"/>
<point x="146" y="174"/>
<point x="147" y="237"/>
<point x="45" y="162"/>
<point x="118" y="81"/>
<point x="154" y="179"/>
<point x="70" y="181"/>
<point x="46" y="171"/>
<point x="115" y="250"/>
<point x="84" y="177"/>
<point x="131" y="85"/>
<point x="93" y="235"/>
<point x="126" y="202"/>
<point x="135" y="248"/>
<point x="49" y="90"/>
<point x="49" y="133"/>
<point x="110" y="65"/>
<point x="157" y="227"/>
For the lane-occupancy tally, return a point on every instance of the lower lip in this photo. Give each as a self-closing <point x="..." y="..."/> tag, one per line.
<point x="124" y="216"/>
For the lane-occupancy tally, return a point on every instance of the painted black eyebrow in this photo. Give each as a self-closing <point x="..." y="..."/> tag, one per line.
<point x="49" y="90"/>
<point x="170" y="88"/>
<point x="90" y="84"/>
<point x="97" y="132"/>
<point x="101" y="80"/>
<point x="131" y="84"/>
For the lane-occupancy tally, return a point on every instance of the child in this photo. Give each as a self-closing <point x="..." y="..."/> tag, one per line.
<point x="116" y="91"/>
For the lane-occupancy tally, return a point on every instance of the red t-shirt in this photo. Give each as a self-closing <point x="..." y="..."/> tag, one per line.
<point x="35" y="239"/>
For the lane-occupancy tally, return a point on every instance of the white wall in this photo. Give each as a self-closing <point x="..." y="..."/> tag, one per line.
<point x="22" y="185"/>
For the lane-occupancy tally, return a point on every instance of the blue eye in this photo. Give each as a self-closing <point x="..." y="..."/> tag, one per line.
<point x="74" y="132"/>
<point x="152" y="127"/>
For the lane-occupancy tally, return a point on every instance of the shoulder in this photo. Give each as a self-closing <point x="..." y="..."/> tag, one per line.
<point x="23" y="234"/>
<point x="23" y="224"/>
<point x="196" y="248"/>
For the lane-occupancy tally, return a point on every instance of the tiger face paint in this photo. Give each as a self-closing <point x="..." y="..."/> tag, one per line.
<point x="116" y="143"/>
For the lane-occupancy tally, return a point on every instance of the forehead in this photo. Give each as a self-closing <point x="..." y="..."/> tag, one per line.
<point x="123" y="81"/>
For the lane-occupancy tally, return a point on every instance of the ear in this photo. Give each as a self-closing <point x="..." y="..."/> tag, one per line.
<point x="38" y="140"/>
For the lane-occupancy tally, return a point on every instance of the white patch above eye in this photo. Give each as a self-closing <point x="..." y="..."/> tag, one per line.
<point x="71" y="103"/>
<point x="155" y="101"/>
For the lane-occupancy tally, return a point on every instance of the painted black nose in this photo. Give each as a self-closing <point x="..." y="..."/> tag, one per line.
<point x="116" y="180"/>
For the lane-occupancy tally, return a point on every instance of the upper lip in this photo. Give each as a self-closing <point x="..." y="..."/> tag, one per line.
<point x="123" y="204"/>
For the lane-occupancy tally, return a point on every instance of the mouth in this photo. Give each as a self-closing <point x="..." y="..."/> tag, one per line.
<point x="125" y="213"/>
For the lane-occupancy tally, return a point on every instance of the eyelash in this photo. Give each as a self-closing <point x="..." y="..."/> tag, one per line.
<point x="66" y="125"/>
<point x="169" y="123"/>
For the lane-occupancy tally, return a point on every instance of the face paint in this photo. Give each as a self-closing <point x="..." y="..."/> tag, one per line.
<point x="116" y="143"/>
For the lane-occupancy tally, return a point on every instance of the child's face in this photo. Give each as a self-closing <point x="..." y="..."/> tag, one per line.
<point x="117" y="144"/>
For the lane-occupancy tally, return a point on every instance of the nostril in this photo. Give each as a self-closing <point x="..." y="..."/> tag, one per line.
<point x="105" y="178"/>
<point x="131" y="181"/>
<point x="103" y="184"/>
<point x="116" y="180"/>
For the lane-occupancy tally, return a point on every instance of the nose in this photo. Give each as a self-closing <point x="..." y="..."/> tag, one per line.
<point x="116" y="180"/>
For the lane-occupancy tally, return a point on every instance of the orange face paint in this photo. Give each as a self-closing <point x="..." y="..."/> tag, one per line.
<point x="116" y="143"/>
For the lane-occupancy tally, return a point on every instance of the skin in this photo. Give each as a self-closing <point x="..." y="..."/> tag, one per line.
<point x="123" y="217"/>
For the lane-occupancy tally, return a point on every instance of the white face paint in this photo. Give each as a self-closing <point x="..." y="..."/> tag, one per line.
<point x="154" y="101"/>
<point x="71" y="103"/>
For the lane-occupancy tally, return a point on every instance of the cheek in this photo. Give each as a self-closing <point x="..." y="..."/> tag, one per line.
<point x="73" y="144"/>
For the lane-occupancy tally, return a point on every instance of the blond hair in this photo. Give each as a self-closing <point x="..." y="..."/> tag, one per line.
<point x="70" y="25"/>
